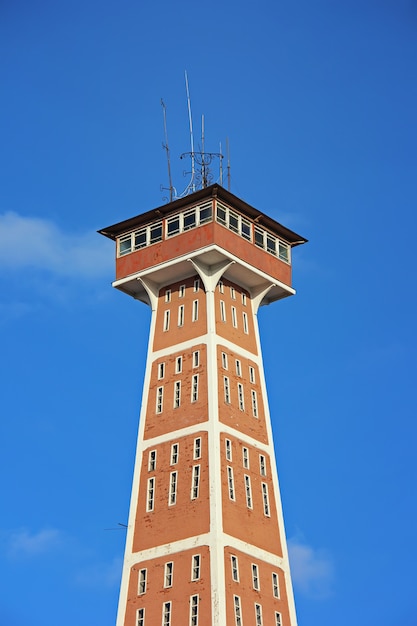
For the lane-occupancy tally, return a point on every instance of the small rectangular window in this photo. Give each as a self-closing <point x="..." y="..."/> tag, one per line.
<point x="254" y="404"/>
<point x="224" y="360"/>
<point x="244" y="299"/>
<point x="152" y="461"/>
<point x="181" y="315"/>
<point x="172" y="498"/>
<point x="246" y="229"/>
<point x="197" y="448"/>
<point x="235" y="568"/>
<point x="161" y="370"/>
<point x="196" y="358"/>
<point x="278" y="621"/>
<point x="190" y="219"/>
<point x="258" y="614"/>
<point x="150" y="501"/>
<point x="142" y="581"/>
<point x="194" y="388"/>
<point x="262" y="465"/>
<point x="238" y="368"/>
<point x="195" y="482"/>
<point x="195" y="567"/>
<point x="195" y="310"/>
<point x="245" y="322"/>
<point x="168" y="574"/>
<point x="241" y="396"/>
<point x="255" y="577"/>
<point x="140" y="617"/>
<point x="168" y="295"/>
<point x="275" y="585"/>
<point x="222" y="311"/>
<point x="196" y="285"/>
<point x="155" y="233"/>
<point x="234" y="318"/>
<point x="125" y="244"/>
<point x="252" y="374"/>
<point x="181" y="291"/>
<point x="245" y="458"/>
<point x="265" y="497"/>
<point x="231" y="483"/>
<point x="226" y="390"/>
<point x="248" y="490"/>
<point x="221" y="286"/>
<point x="238" y="611"/>
<point x="233" y="293"/>
<point x="177" y="394"/>
<point x="166" y="320"/>
<point x="194" y="610"/>
<point x="166" y="614"/>
<point x="174" y="453"/>
<point x="178" y="365"/>
<point x="159" y="399"/>
<point x="173" y="226"/>
<point x="228" y="446"/>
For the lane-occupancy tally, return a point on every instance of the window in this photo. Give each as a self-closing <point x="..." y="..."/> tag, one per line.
<point x="241" y="397"/>
<point x="195" y="310"/>
<point x="254" y="404"/>
<point x="235" y="568"/>
<point x="142" y="581"/>
<point x="265" y="499"/>
<point x="196" y="285"/>
<point x="262" y="465"/>
<point x="255" y="577"/>
<point x="224" y="360"/>
<point x="150" y="501"/>
<point x="140" y="238"/>
<point x="159" y="399"/>
<point x="221" y="286"/>
<point x="195" y="567"/>
<point x="178" y="365"/>
<point x="271" y="244"/>
<point x="161" y="370"/>
<point x="196" y="358"/>
<point x="197" y="448"/>
<point x="248" y="491"/>
<point x="245" y="458"/>
<point x="234" y="318"/>
<point x="140" y="617"/>
<point x="258" y="614"/>
<point x="222" y="311"/>
<point x="226" y="390"/>
<point x="275" y="585"/>
<point x="181" y="315"/>
<point x="238" y="368"/>
<point x="252" y="374"/>
<point x="195" y="482"/>
<point x="168" y="574"/>
<point x="233" y="293"/>
<point x="174" y="453"/>
<point x="278" y="621"/>
<point x="228" y="446"/>
<point x="231" y="483"/>
<point x="238" y="611"/>
<point x="244" y="299"/>
<point x="166" y="614"/>
<point x="194" y="388"/>
<point x="232" y="220"/>
<point x="194" y="610"/>
<point x="152" y="461"/>
<point x="181" y="291"/>
<point x="172" y="498"/>
<point x="245" y="322"/>
<point x="168" y="295"/>
<point x="166" y="320"/>
<point x="177" y="394"/>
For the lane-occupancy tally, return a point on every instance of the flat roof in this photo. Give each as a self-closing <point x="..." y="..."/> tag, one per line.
<point x="213" y="191"/>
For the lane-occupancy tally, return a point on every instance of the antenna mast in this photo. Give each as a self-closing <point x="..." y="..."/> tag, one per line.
<point x="166" y="148"/>
<point x="228" y="163"/>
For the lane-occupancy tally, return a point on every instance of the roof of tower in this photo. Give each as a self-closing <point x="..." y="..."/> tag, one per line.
<point x="216" y="191"/>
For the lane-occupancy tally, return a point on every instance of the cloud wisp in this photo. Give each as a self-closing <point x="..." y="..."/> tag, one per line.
<point x="23" y="544"/>
<point x="100" y="575"/>
<point x="311" y="570"/>
<point x="36" y="243"/>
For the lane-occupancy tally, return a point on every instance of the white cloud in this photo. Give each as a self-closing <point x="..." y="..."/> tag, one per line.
<point x="23" y="544"/>
<point x="311" y="570"/>
<point x="100" y="575"/>
<point x="31" y="242"/>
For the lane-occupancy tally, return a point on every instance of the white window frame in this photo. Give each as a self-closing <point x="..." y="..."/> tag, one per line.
<point x="248" y="492"/>
<point x="224" y="361"/>
<point x="181" y="291"/>
<point x="194" y="388"/>
<point x="233" y="221"/>
<point x="222" y="311"/>
<point x="275" y="585"/>
<point x="262" y="465"/>
<point x="194" y="601"/>
<point x="168" y="295"/>
<point x="181" y="309"/>
<point x="178" y="365"/>
<point x="278" y="619"/>
<point x="195" y="566"/>
<point x="168" y="574"/>
<point x="234" y="565"/>
<point x="254" y="403"/>
<point x="255" y="577"/>
<point x="175" y="451"/>
<point x="166" y="613"/>
<point x="232" y="293"/>
<point x="150" y="494"/>
<point x="196" y="285"/>
<point x="167" y="315"/>
<point x="140" y="617"/>
<point x="221" y="286"/>
<point x="245" y="323"/>
<point x="195" y="482"/>
<point x="241" y="396"/>
<point x="226" y="384"/>
<point x="229" y="449"/>
<point x="152" y="460"/>
<point x="265" y="498"/>
<point x="258" y="614"/>
<point x="159" y="400"/>
<point x="234" y="317"/>
<point x="238" y="610"/>
<point x="238" y="368"/>
<point x="231" y="484"/>
<point x="252" y="376"/>
<point x="177" y="394"/>
<point x="173" y="486"/>
<point x="161" y="371"/>
<point x="243" y="298"/>
<point x="197" y="448"/>
<point x="195" y="311"/>
<point x="146" y="235"/>
<point x="196" y="358"/>
<point x="245" y="457"/>
<point x="142" y="579"/>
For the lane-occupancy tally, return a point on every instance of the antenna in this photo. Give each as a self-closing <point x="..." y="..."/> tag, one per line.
<point x="166" y="148"/>
<point x="228" y="163"/>
<point x="190" y="120"/>
<point x="221" y="164"/>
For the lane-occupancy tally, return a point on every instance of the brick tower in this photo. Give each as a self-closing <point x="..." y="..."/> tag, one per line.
<point x="205" y="541"/>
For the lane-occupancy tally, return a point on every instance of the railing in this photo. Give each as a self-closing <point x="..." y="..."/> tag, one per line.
<point x="198" y="216"/>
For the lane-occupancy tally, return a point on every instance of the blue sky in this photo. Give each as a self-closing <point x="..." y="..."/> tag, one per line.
<point x="319" y="102"/>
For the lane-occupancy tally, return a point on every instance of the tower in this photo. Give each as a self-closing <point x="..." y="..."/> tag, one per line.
<point x="205" y="540"/>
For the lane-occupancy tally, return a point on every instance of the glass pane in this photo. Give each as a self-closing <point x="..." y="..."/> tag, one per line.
<point x="259" y="238"/>
<point x="271" y="244"/>
<point x="140" y="239"/>
<point x="283" y="251"/>
<point x="156" y="233"/>
<point x="205" y="215"/>
<point x="173" y="226"/>
<point x="221" y="215"/>
<point x="233" y="222"/>
<point x="125" y="245"/>
<point x="246" y="230"/>
<point x="189" y="220"/>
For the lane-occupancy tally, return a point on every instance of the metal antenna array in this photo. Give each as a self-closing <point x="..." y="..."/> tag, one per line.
<point x="201" y="175"/>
